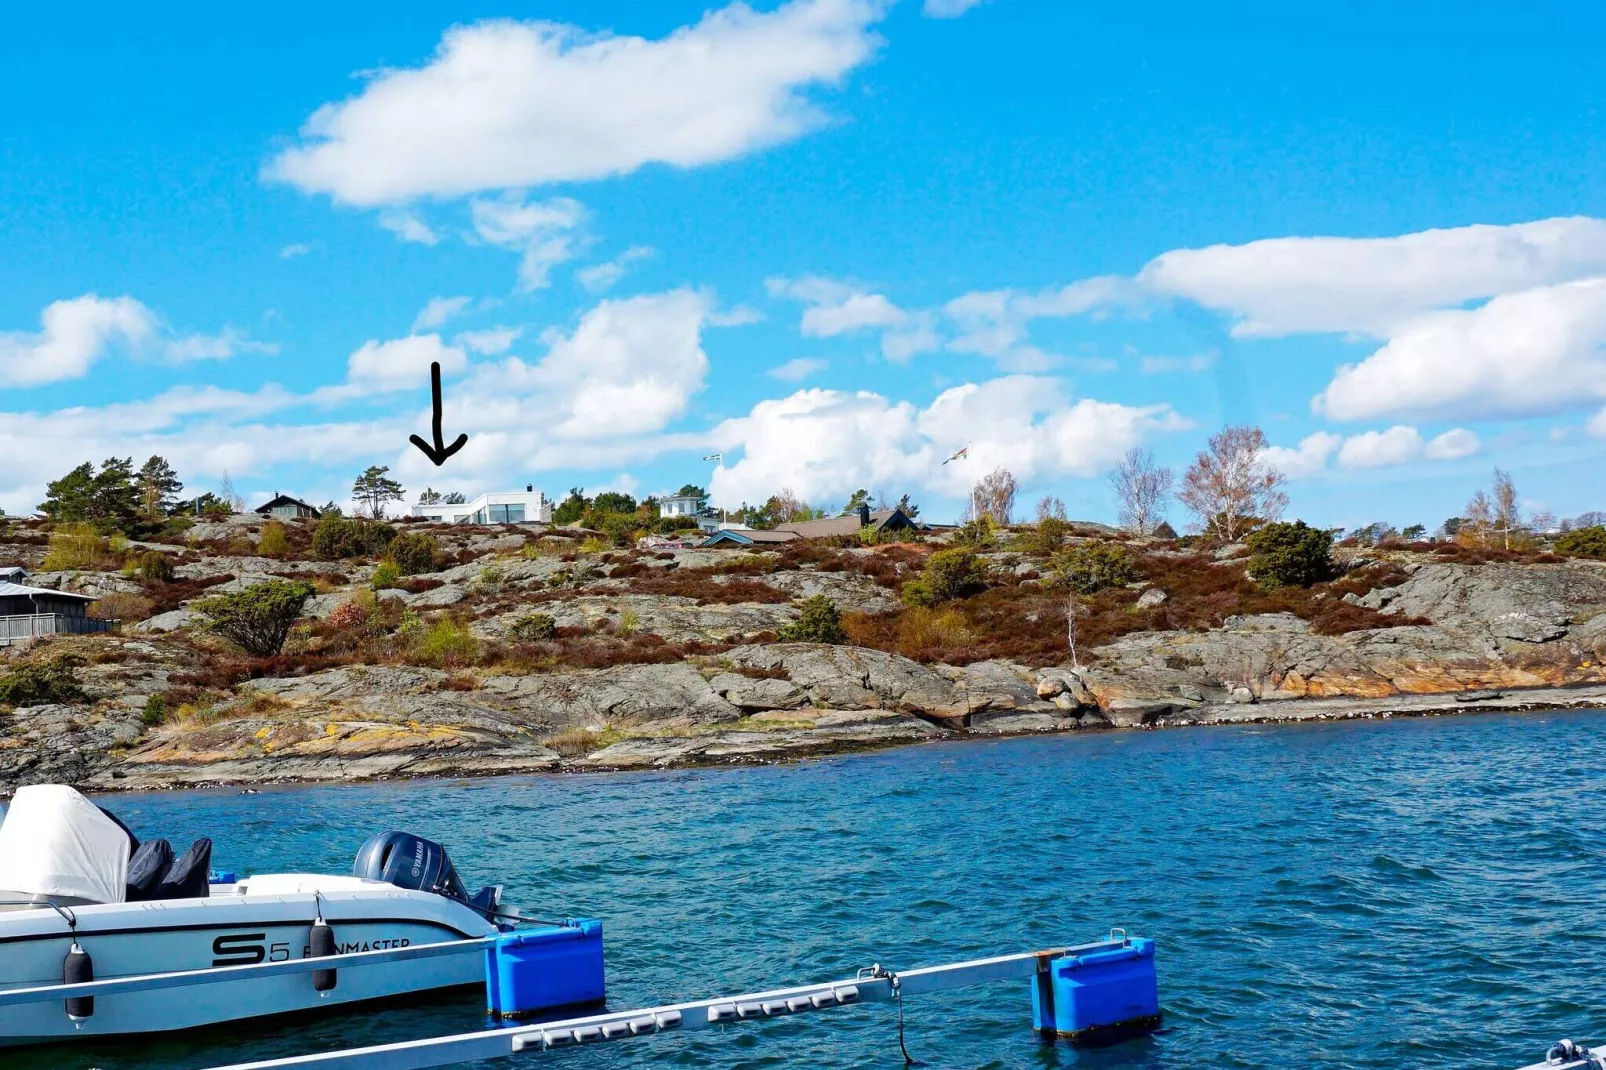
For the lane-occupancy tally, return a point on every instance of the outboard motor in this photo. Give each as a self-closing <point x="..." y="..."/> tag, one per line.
<point x="409" y="861"/>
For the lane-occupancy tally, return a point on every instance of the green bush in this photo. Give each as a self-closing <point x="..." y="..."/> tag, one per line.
<point x="447" y="644"/>
<point x="74" y="546"/>
<point x="818" y="621"/>
<point x="1047" y="536"/>
<point x="621" y="529"/>
<point x="979" y="533"/>
<point x="336" y="537"/>
<point x="1094" y="566"/>
<point x="414" y="552"/>
<point x="386" y="575"/>
<point x="155" y="711"/>
<point x="152" y="565"/>
<point x="1289" y="555"/>
<point x="533" y="628"/>
<point x="257" y="619"/>
<point x="38" y="685"/>
<point x="949" y="574"/>
<point x="273" y="542"/>
<point x="1584" y="542"/>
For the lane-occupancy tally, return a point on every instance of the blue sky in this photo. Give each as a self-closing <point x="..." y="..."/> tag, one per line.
<point x="832" y="239"/>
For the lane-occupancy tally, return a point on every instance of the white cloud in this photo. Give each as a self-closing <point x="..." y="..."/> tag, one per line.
<point x="203" y="432"/>
<point x="1370" y="449"/>
<point x="407" y="226"/>
<point x="504" y="104"/>
<point x="401" y="363"/>
<point x="491" y="341"/>
<point x="439" y="310"/>
<point x="1281" y="286"/>
<point x="599" y="277"/>
<point x="825" y="443"/>
<point x="946" y="9"/>
<point x="72" y="335"/>
<point x="542" y="230"/>
<point x="1199" y="362"/>
<point x="1377" y="449"/>
<point x="1522" y="354"/>
<point x="290" y="252"/>
<point x="1452" y="445"/>
<point x="1597" y="424"/>
<point x="601" y="396"/>
<point x="795" y="371"/>
<point x="227" y="343"/>
<point x="995" y="323"/>
<point x="1308" y="459"/>
<point x="836" y="308"/>
<point x="76" y="333"/>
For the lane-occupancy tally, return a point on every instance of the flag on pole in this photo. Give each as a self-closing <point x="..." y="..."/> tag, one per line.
<point x="720" y="457"/>
<point x="964" y="452"/>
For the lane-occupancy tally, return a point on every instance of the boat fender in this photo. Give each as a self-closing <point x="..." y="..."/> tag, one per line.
<point x="322" y="944"/>
<point x="78" y="968"/>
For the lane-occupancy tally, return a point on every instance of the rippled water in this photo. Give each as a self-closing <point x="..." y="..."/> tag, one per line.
<point x="1378" y="894"/>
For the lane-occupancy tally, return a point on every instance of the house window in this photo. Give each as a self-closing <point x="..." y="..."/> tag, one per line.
<point x="507" y="514"/>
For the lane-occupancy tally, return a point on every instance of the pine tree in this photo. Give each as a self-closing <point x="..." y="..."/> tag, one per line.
<point x="375" y="489"/>
<point x="70" y="497"/>
<point x="116" y="501"/>
<point x="158" y="488"/>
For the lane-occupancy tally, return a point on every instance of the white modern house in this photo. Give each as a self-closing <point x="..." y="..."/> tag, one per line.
<point x="694" y="506"/>
<point x="527" y="506"/>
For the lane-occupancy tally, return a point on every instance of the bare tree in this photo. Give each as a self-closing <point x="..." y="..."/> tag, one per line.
<point x="788" y="507"/>
<point x="1073" y="609"/>
<point x="1230" y="486"/>
<point x="229" y="495"/>
<point x="1141" y="487"/>
<point x="1477" y="526"/>
<point x="1507" y="512"/>
<point x="994" y="497"/>
<point x="1049" y="508"/>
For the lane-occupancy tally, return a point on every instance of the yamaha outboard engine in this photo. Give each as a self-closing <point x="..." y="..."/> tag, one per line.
<point x="409" y="861"/>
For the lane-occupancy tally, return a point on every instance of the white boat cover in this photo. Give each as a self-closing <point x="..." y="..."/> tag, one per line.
<point x="55" y="842"/>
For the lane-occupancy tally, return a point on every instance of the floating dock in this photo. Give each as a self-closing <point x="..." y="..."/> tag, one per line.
<point x="1097" y="992"/>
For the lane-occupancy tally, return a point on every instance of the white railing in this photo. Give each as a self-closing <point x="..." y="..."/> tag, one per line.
<point x="32" y="625"/>
<point x="868" y="987"/>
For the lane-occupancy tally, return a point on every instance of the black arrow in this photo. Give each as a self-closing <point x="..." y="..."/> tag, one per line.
<point x="438" y="452"/>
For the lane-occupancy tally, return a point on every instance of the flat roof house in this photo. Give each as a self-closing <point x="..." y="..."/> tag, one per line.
<point x="527" y="506"/>
<point x="284" y="507"/>
<point x="26" y="612"/>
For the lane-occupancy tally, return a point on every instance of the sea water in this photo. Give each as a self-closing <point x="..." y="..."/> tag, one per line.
<point x="1388" y="894"/>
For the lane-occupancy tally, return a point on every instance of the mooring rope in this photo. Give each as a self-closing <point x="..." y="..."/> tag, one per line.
<point x="880" y="971"/>
<point x="1565" y="1051"/>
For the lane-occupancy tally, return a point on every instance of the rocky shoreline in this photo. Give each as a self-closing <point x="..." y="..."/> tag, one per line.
<point x="674" y="659"/>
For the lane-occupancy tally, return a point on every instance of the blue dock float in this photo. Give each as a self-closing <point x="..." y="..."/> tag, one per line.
<point x="1098" y="997"/>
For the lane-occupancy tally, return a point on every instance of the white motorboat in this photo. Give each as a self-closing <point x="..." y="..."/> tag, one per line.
<point x="81" y="898"/>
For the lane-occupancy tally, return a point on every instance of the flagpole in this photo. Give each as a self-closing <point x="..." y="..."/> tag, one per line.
<point x="719" y="466"/>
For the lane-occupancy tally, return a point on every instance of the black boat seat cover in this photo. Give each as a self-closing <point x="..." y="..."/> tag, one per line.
<point x="146" y="870"/>
<point x="186" y="878"/>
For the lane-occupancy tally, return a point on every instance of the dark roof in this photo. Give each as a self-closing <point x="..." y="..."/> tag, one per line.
<point x="843" y="525"/>
<point x="748" y="537"/>
<point x="18" y="590"/>
<point x="285" y="499"/>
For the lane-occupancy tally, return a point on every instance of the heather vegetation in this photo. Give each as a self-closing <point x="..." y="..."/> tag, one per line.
<point x="235" y="606"/>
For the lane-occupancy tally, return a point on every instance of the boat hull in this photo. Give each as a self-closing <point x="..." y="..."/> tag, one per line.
<point x="228" y="930"/>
